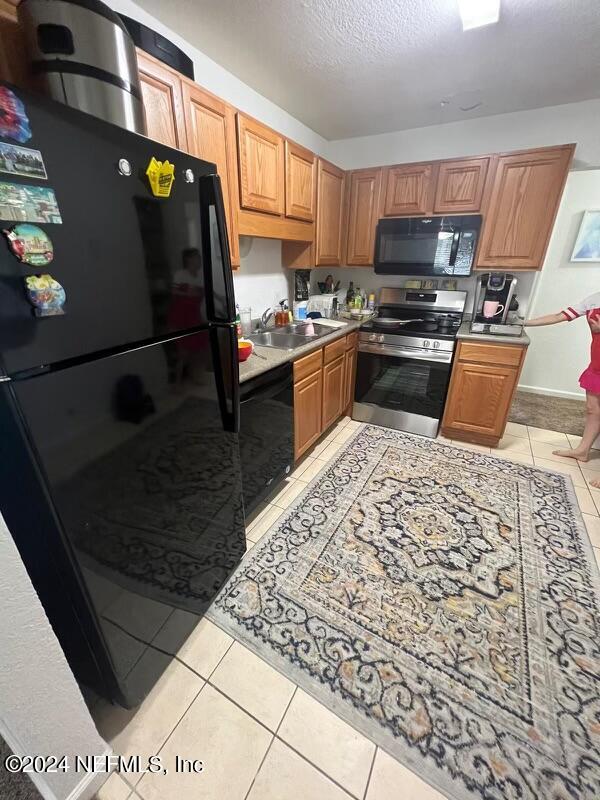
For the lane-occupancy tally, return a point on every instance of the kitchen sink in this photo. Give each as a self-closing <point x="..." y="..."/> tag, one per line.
<point x="288" y="337"/>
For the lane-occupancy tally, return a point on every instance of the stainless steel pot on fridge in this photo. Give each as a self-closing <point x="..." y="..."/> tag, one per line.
<point x="84" y="57"/>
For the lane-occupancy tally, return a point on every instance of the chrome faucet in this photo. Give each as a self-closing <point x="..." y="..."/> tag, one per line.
<point x="265" y="317"/>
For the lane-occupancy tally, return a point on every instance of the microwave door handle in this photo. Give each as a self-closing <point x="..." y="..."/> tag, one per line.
<point x="454" y="248"/>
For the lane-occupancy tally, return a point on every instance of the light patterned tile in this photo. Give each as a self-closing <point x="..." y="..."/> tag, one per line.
<point x="391" y="780"/>
<point x="204" y="647"/>
<point x="564" y="467"/>
<point x="345" y="434"/>
<point x="291" y="493"/>
<point x="284" y="775"/>
<point x="253" y="518"/>
<point x="545" y="450"/>
<point x="278" y="492"/>
<point x="516" y="429"/>
<point x="300" y="468"/>
<point x="593" y="528"/>
<point x="353" y="424"/>
<point x="314" y="470"/>
<point x="512" y="444"/>
<point x="142" y="731"/>
<point x="228" y="741"/>
<point x="114" y="788"/>
<point x="331" y="450"/>
<point x="574" y="441"/>
<point x="478" y="448"/>
<point x="328" y="742"/>
<point x="268" y="519"/>
<point x="597" y="554"/>
<point x="585" y="500"/>
<point x="261" y="690"/>
<point x="548" y="436"/>
<point x="321" y="445"/>
<point x="595" y="493"/>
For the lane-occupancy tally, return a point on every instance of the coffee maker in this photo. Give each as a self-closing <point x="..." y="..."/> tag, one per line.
<point x="496" y="305"/>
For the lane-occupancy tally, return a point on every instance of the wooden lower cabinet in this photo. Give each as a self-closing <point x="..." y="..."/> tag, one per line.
<point x="333" y="390"/>
<point x="482" y="385"/>
<point x="323" y="390"/>
<point x="308" y="394"/>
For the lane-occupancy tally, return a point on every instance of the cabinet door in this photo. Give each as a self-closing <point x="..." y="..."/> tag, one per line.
<point x="460" y="186"/>
<point x="409" y="190"/>
<point x="163" y="102"/>
<point x="349" y="377"/>
<point x="308" y="394"/>
<point x="333" y="391"/>
<point x="261" y="163"/>
<point x="522" y="206"/>
<point x="210" y="126"/>
<point x="330" y="203"/>
<point x="300" y="182"/>
<point x="479" y="398"/>
<point x="364" y="186"/>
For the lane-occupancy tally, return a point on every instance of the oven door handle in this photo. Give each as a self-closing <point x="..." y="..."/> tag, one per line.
<point x="437" y="356"/>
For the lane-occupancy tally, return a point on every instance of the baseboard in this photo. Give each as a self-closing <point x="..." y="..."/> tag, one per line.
<point x="91" y="782"/>
<point x="551" y="392"/>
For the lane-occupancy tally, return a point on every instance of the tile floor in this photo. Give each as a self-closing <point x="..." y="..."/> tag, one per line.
<point x="259" y="735"/>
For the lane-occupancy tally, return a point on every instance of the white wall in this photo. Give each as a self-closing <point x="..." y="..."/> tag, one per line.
<point x="262" y="281"/>
<point x="217" y="79"/>
<point x="575" y="122"/>
<point x="558" y="354"/>
<point x="41" y="708"/>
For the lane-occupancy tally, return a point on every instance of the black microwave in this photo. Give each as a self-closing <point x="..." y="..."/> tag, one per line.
<point x="427" y="245"/>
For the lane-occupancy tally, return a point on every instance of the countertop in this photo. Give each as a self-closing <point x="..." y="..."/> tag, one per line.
<point x="273" y="357"/>
<point x="464" y="333"/>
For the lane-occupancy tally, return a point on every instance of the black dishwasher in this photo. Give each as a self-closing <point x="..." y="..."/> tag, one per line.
<point x="266" y="432"/>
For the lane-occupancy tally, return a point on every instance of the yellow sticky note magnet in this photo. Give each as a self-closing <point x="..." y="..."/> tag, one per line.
<point x="161" y="175"/>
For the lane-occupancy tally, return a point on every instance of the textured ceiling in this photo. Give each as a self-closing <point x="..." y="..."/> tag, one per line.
<point x="356" y="67"/>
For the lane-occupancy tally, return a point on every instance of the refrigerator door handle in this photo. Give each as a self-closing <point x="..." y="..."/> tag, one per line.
<point x="225" y="359"/>
<point x="215" y="251"/>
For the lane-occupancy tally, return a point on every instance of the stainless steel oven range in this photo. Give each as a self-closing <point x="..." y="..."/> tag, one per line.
<point x="405" y="357"/>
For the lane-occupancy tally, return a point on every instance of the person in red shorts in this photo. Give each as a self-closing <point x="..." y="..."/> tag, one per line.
<point x="589" y="378"/>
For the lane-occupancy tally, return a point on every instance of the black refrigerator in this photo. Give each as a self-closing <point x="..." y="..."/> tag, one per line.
<point x="120" y="476"/>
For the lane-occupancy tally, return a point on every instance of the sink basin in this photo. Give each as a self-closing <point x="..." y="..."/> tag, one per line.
<point x="279" y="339"/>
<point x="290" y="336"/>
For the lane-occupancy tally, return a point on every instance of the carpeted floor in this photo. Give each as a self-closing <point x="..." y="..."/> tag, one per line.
<point x="553" y="413"/>
<point x="446" y="603"/>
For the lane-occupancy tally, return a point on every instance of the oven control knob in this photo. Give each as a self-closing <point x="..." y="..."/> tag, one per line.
<point x="426" y="343"/>
<point x="381" y="337"/>
<point x="436" y="345"/>
<point x="373" y="337"/>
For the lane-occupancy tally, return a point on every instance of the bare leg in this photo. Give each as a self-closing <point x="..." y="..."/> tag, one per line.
<point x="590" y="432"/>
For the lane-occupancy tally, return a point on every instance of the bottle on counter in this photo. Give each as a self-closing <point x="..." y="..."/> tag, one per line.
<point x="350" y="295"/>
<point x="371" y="301"/>
<point x="238" y="322"/>
<point x="358" y="299"/>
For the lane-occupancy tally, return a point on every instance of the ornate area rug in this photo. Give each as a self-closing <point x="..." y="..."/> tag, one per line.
<point x="445" y="603"/>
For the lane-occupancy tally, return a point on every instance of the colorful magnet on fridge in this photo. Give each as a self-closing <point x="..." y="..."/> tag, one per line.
<point x="30" y="244"/>
<point x="14" y="123"/>
<point x="46" y="295"/>
<point x="161" y="175"/>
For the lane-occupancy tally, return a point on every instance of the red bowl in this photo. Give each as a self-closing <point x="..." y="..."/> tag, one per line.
<point x="244" y="350"/>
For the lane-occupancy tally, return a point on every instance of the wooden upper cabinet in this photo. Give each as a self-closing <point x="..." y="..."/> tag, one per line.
<point x="520" y="207"/>
<point x="163" y="102"/>
<point x="460" y="186"/>
<point x="261" y="165"/>
<point x="330" y="204"/>
<point x="364" y="187"/>
<point x="300" y="182"/>
<point x="409" y="190"/>
<point x="210" y="127"/>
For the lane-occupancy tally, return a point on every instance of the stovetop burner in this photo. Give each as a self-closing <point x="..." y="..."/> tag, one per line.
<point x="443" y="325"/>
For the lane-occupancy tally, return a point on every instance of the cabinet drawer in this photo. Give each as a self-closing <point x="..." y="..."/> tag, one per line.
<point x="307" y="365"/>
<point x="351" y="340"/>
<point x="334" y="350"/>
<point x="480" y="353"/>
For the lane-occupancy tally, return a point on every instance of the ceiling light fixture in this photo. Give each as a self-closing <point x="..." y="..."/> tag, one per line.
<point x="476" y="13"/>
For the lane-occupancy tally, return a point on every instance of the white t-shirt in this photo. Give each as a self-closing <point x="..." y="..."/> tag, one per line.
<point x="590" y="306"/>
